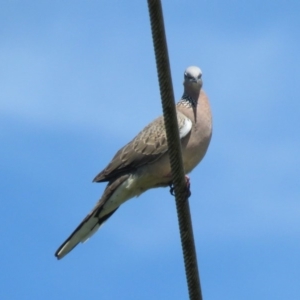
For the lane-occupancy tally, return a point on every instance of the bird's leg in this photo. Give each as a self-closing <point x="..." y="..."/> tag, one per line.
<point x="188" y="185"/>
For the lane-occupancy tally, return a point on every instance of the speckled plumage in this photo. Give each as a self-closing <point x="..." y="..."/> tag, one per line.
<point x="148" y="146"/>
<point x="143" y="163"/>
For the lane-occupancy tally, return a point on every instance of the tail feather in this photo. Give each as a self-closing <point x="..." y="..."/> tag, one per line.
<point x="83" y="232"/>
<point x="96" y="227"/>
<point x="92" y="222"/>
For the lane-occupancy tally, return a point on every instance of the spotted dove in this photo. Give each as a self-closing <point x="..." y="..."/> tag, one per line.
<point x="143" y="163"/>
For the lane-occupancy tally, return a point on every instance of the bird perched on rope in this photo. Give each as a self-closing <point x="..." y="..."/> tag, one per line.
<point x="143" y="163"/>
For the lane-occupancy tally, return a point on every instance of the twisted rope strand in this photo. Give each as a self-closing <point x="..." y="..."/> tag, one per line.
<point x="174" y="146"/>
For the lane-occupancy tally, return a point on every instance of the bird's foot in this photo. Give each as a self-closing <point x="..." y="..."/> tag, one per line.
<point x="171" y="189"/>
<point x="188" y="185"/>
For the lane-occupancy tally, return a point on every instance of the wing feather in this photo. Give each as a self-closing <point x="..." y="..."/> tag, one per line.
<point x="149" y="145"/>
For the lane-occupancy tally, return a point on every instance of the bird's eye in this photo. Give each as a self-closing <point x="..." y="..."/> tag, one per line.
<point x="188" y="76"/>
<point x="199" y="76"/>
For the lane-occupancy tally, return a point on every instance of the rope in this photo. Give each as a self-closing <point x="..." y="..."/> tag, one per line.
<point x="174" y="146"/>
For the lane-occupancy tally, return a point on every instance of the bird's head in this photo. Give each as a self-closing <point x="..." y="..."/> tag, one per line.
<point x="193" y="78"/>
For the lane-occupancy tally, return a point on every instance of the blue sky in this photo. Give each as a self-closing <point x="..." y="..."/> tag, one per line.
<point x="78" y="80"/>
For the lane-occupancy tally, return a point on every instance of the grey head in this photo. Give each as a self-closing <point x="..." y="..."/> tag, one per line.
<point x="192" y="86"/>
<point x="193" y="78"/>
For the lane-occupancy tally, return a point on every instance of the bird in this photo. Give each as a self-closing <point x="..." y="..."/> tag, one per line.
<point x="143" y="163"/>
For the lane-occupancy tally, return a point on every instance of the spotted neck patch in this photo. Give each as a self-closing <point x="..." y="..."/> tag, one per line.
<point x="187" y="101"/>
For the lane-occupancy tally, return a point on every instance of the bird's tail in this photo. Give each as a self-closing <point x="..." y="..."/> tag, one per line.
<point x="92" y="221"/>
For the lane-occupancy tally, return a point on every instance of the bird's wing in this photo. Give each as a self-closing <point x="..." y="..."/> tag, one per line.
<point x="149" y="145"/>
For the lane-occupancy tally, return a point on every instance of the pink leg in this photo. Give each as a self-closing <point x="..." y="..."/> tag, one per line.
<point x="188" y="186"/>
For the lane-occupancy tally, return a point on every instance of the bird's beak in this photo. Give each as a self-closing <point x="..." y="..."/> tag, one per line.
<point x="195" y="80"/>
<point x="198" y="81"/>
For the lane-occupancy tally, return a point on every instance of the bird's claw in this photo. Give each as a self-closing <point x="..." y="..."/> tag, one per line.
<point x="188" y="186"/>
<point x="172" y="189"/>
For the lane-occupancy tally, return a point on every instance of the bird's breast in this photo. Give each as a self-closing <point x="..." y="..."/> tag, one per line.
<point x="194" y="148"/>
